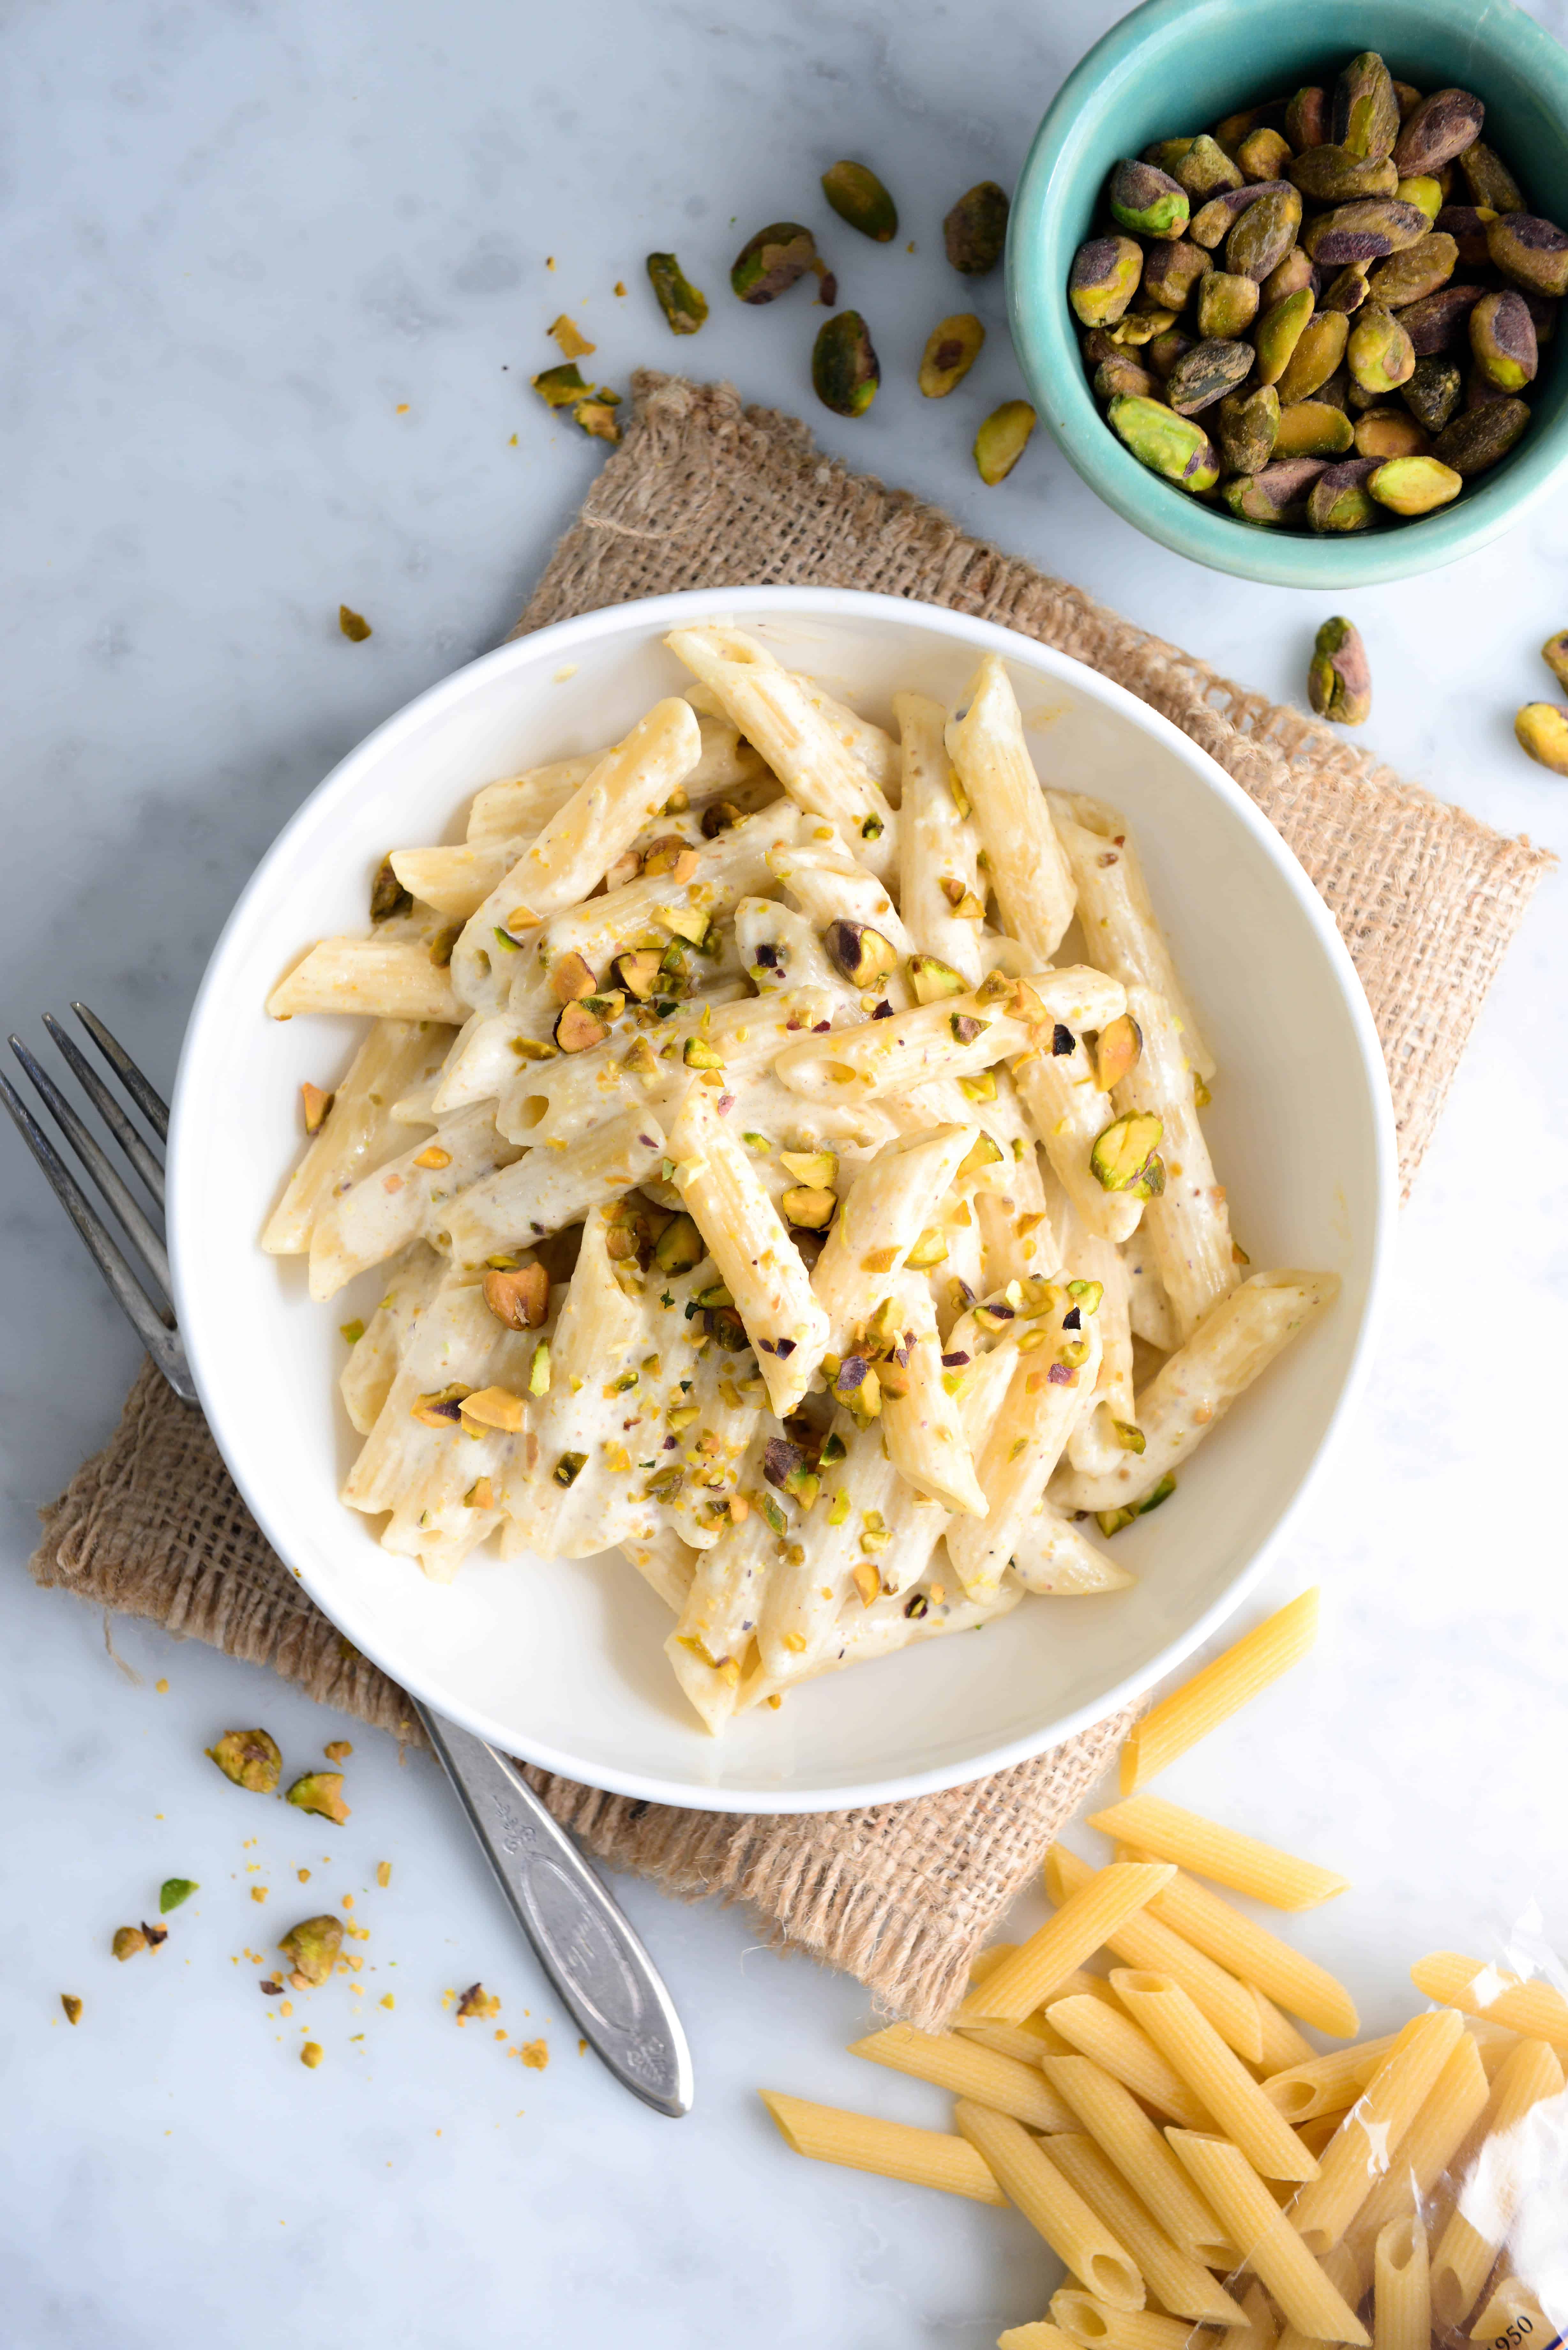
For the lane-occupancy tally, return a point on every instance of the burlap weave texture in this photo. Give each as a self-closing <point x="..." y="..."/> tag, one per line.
<point x="706" y="493"/>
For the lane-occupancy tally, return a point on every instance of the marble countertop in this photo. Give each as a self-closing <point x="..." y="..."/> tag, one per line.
<point x="279" y="273"/>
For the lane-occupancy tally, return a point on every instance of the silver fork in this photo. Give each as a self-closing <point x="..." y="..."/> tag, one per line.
<point x="582" y="1938"/>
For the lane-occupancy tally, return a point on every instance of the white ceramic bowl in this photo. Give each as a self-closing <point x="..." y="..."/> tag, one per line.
<point x="564" y="1663"/>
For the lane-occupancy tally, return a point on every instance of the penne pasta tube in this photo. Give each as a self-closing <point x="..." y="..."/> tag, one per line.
<point x="1476" y="1989"/>
<point x="1475" y="2233"/>
<point x="358" y="1131"/>
<point x="830" y="886"/>
<point x="780" y="949"/>
<point x="412" y="1194"/>
<point x="544" y="1190"/>
<point x="1447" y="2116"/>
<point x="1051" y="1555"/>
<point x="518" y="808"/>
<point x="1217" y="2078"/>
<point x="1218" y="1691"/>
<point x="1028" y="2041"/>
<point x="392" y="979"/>
<point x="1149" y="1308"/>
<point x="999" y="2082"/>
<point x="1039" y="2334"/>
<point x="1045" y="1399"/>
<point x="1177" y="2282"/>
<point x="781" y="716"/>
<point x="879" y="1219"/>
<point x="867" y="1514"/>
<point x="1326" y="2084"/>
<point x="923" y="1428"/>
<point x="1370" y="2134"/>
<point x="452" y="1347"/>
<point x="718" y="1617"/>
<point x="1283" y="2043"/>
<point x="665" y="1565"/>
<point x="1210" y="1924"/>
<point x="1115" y="913"/>
<point x="954" y="1037"/>
<point x="578" y="844"/>
<point x="1513" y="2317"/>
<point x="888" y="1625"/>
<point x="1056" y="1084"/>
<point x="1166" y="1832"/>
<point x="870" y="744"/>
<point x="1401" y="2288"/>
<point x="1195" y="1387"/>
<point x="1125" y="2134"/>
<point x="1261" y="2332"/>
<point x="939" y="846"/>
<point x="1111" y="2039"/>
<point x="1349" y="2279"/>
<point x="757" y="1261"/>
<point x="366" y="1381"/>
<point x="1086" y="1917"/>
<point x="1030" y="2179"/>
<point x="1141" y="1940"/>
<point x="1095" y="1444"/>
<point x="921" y="2158"/>
<point x="1094" y="2324"/>
<point x="1024" y="859"/>
<point x="1187" y="1222"/>
<point x="1265" y="2239"/>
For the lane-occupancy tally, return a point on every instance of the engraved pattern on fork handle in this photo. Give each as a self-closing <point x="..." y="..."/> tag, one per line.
<point x="583" y="1938"/>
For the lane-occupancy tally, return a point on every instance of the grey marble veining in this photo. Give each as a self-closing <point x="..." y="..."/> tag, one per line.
<point x="277" y="278"/>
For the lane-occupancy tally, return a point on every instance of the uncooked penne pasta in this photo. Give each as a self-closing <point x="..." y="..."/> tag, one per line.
<point x="1125" y="2134"/>
<point x="1195" y="1387"/>
<point x="1448" y="2113"/>
<point x="1245" y="1948"/>
<point x="1141" y="1940"/>
<point x="1512" y="2316"/>
<point x="1114" y="911"/>
<point x="1217" y="2078"/>
<point x="776" y="712"/>
<point x="1475" y="2234"/>
<point x="393" y="979"/>
<point x="891" y="2149"/>
<point x="1266" y="2241"/>
<point x="1024" y="859"/>
<point x="1028" y="2177"/>
<point x="1218" y="1691"/>
<point x="1478" y="1989"/>
<point x="1370" y="2134"/>
<point x="1177" y="2282"/>
<point x="1204" y="1848"/>
<point x="358" y="1131"/>
<point x="1000" y="2082"/>
<point x="1282" y="2044"/>
<point x="1401" y="2288"/>
<point x="1111" y="2039"/>
<point x="1094" y="2324"/>
<point x="1326" y="2084"/>
<point x="939" y="848"/>
<point x="1187" y="1222"/>
<point x="1038" y="2334"/>
<point x="1088" y="1918"/>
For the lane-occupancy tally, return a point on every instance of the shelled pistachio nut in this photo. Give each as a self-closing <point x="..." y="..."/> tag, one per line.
<point x="1364" y="231"/>
<point x="1365" y="113"/>
<point x="1310" y="428"/>
<point x="1140" y="327"/>
<point x="1278" y="331"/>
<point x="1502" y="337"/>
<point x="1162" y="352"/>
<point x="1339" y="501"/>
<point x="1168" y="443"/>
<point x="844" y="372"/>
<point x="1478" y="439"/>
<point x="1206" y="373"/>
<point x="1203" y="169"/>
<point x="1347" y="289"/>
<point x="1120" y="377"/>
<point x="1438" y="322"/>
<point x="684" y="307"/>
<point x="1172" y="269"/>
<point x="1318" y="350"/>
<point x="1542" y="728"/>
<point x="1264" y="153"/>
<point x="1530" y="252"/>
<point x="770" y="263"/>
<point x="1389" y="433"/>
<point x="1424" y="192"/>
<point x="952" y="349"/>
<point x="1165" y="155"/>
<point x="1330" y="175"/>
<point x="1004" y="437"/>
<point x="1440" y="128"/>
<point x="1378" y="352"/>
<point x="857" y="196"/>
<point x="1554" y="653"/>
<point x="1226" y="305"/>
<point x="1246" y="424"/>
<point x="1295" y="275"/>
<point x="1468" y="226"/>
<point x="1433" y="393"/>
<point x="1149" y="202"/>
<point x="1419" y="270"/>
<point x="975" y="232"/>
<point x="1211" y="226"/>
<point x="1307" y="118"/>
<point x="1277" y="494"/>
<point x="1488" y="179"/>
<point x="1104" y="278"/>
<point x="1414" y="485"/>
<point x="1265" y="232"/>
<point x="1339" y="681"/>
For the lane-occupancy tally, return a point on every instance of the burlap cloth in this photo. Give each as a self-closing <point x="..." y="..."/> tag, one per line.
<point x="705" y="494"/>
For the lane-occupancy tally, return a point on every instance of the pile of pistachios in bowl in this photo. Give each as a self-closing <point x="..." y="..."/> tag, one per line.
<point x="1327" y="310"/>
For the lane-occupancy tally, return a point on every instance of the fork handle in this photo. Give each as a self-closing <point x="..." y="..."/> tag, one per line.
<point x="581" y="1936"/>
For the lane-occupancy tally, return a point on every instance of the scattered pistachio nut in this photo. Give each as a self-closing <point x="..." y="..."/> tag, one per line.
<point x="844" y="372"/>
<point x="518" y="1295"/>
<point x="975" y="232"/>
<point x="72" y="2006"/>
<point x="929" y="979"/>
<point x="316" y="1104"/>
<point x="561" y="387"/>
<point x="952" y="349"/>
<point x="1541" y="729"/>
<point x="1365" y="113"/>
<point x="680" y="1246"/>
<point x="128" y="1939"/>
<point x="312" y="1949"/>
<point x="857" y="196"/>
<point x="1531" y="253"/>
<point x="770" y="263"/>
<point x="1339" y="681"/>
<point x="249" y="1758"/>
<point x="311" y="2054"/>
<point x="1554" y="653"/>
<point x="1002" y="441"/>
<point x="1488" y="179"/>
<point x="173" y="1891"/>
<point x="578" y="1026"/>
<point x="320" y="1791"/>
<point x="1338" y="502"/>
<point x="1116" y="1051"/>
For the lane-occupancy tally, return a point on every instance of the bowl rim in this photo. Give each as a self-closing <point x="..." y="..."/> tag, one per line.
<point x="231" y="1432"/>
<point x="1048" y="351"/>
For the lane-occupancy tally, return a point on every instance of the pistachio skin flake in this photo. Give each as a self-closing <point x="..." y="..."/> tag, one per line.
<point x="249" y="1758"/>
<point x="1541" y="732"/>
<point x="1002" y="441"/>
<point x="312" y="1949"/>
<point x="844" y="370"/>
<point x="975" y="232"/>
<point x="1339" y="682"/>
<point x="684" y="307"/>
<point x="320" y="1791"/>
<point x="857" y="196"/>
<point x="173" y="1891"/>
<point x="952" y="349"/>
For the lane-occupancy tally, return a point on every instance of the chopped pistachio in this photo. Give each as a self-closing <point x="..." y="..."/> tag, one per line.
<point x="311" y="2056"/>
<point x="931" y="1249"/>
<point x="383" y="1873"/>
<point x="318" y="1107"/>
<point x="388" y="895"/>
<point x="638" y="972"/>
<point x="1129" y="1435"/>
<point x="861" y="953"/>
<point x="539" y="1370"/>
<point x="320" y="1791"/>
<point x="173" y="1891"/>
<point x="1122" y="1151"/>
<point x="810" y="1205"/>
<point x="570" y="978"/>
<point x="477" y="2000"/>
<point x="72" y="2006"/>
<point x="571" y="343"/>
<point x="578" y="1026"/>
<point x="1111" y="1522"/>
<point x="596" y="417"/>
<point x="866" y="1582"/>
<point x="931" y="979"/>
<point x="494" y="1407"/>
<point x="351" y="1332"/>
<point x="561" y="387"/>
<point x="1120" y="1043"/>
<point x="128" y="1940"/>
<point x="1087" y="1295"/>
<point x="519" y="1298"/>
<point x="569" y="1467"/>
<point x="442" y="1408"/>
<point x="354" y="625"/>
<point x="983" y="1152"/>
<point x="249" y="1758"/>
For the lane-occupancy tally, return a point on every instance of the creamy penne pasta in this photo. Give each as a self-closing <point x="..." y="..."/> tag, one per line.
<point x="731" y="1176"/>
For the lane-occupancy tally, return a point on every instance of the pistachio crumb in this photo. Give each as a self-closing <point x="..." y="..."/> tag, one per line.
<point x="337" y="1750"/>
<point x="258" y="1893"/>
<point x="72" y="2006"/>
<point x="535" y="2054"/>
<point x="310" y="2054"/>
<point x="383" y="1872"/>
<point x="161" y="1688"/>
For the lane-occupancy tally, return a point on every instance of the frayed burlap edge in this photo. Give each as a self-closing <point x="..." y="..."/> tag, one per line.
<point x="703" y="492"/>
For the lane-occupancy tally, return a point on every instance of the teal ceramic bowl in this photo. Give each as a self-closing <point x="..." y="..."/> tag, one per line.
<point x="1174" y="67"/>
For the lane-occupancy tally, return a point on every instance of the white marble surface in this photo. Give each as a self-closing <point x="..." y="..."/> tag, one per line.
<point x="243" y="238"/>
